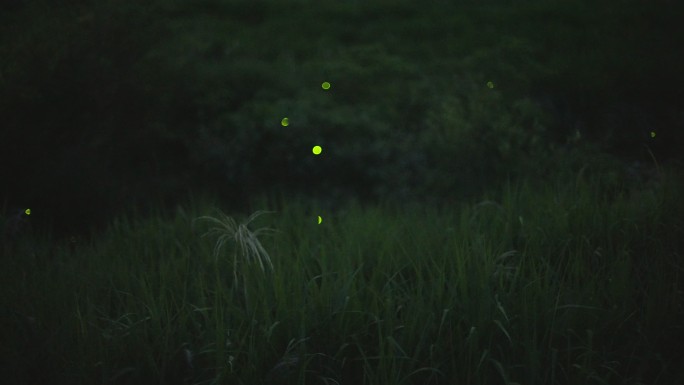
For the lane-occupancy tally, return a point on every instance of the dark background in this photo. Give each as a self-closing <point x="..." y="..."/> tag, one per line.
<point x="112" y="106"/>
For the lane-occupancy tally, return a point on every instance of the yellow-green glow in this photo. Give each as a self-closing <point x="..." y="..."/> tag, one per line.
<point x="317" y="150"/>
<point x="320" y="219"/>
<point x="490" y="84"/>
<point x="27" y="211"/>
<point x="325" y="85"/>
<point x="285" y="122"/>
<point x="652" y="134"/>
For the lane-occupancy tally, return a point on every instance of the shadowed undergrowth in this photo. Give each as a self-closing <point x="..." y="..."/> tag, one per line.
<point x="575" y="281"/>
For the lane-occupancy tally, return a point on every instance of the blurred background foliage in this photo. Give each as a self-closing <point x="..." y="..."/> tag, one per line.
<point x="112" y="105"/>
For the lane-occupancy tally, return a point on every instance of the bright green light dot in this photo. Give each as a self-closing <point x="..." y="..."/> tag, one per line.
<point x="317" y="150"/>
<point x="490" y="85"/>
<point x="320" y="219"/>
<point x="652" y="134"/>
<point x="325" y="85"/>
<point x="285" y="122"/>
<point x="27" y="211"/>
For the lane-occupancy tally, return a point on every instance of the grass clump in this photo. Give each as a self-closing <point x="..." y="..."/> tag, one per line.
<point x="247" y="244"/>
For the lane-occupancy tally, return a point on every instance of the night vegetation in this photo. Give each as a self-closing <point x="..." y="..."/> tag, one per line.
<point x="500" y="192"/>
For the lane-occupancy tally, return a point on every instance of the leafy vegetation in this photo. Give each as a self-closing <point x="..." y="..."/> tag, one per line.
<point x="498" y="188"/>
<point x="569" y="282"/>
<point x="167" y="97"/>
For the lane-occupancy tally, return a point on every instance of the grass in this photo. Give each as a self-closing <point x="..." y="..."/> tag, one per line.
<point x="571" y="282"/>
<point x="567" y="278"/>
<point x="247" y="245"/>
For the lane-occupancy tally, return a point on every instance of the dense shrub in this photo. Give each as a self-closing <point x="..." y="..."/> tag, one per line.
<point x="116" y="104"/>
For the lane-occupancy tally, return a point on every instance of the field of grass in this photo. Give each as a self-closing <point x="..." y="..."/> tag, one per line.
<point x="572" y="282"/>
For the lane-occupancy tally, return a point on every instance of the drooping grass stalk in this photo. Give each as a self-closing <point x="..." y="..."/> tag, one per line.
<point x="247" y="245"/>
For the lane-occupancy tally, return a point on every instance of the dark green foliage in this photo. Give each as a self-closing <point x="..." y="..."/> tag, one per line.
<point x="111" y="105"/>
<point x="548" y="281"/>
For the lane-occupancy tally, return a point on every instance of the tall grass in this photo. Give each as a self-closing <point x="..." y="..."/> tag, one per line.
<point x="574" y="281"/>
